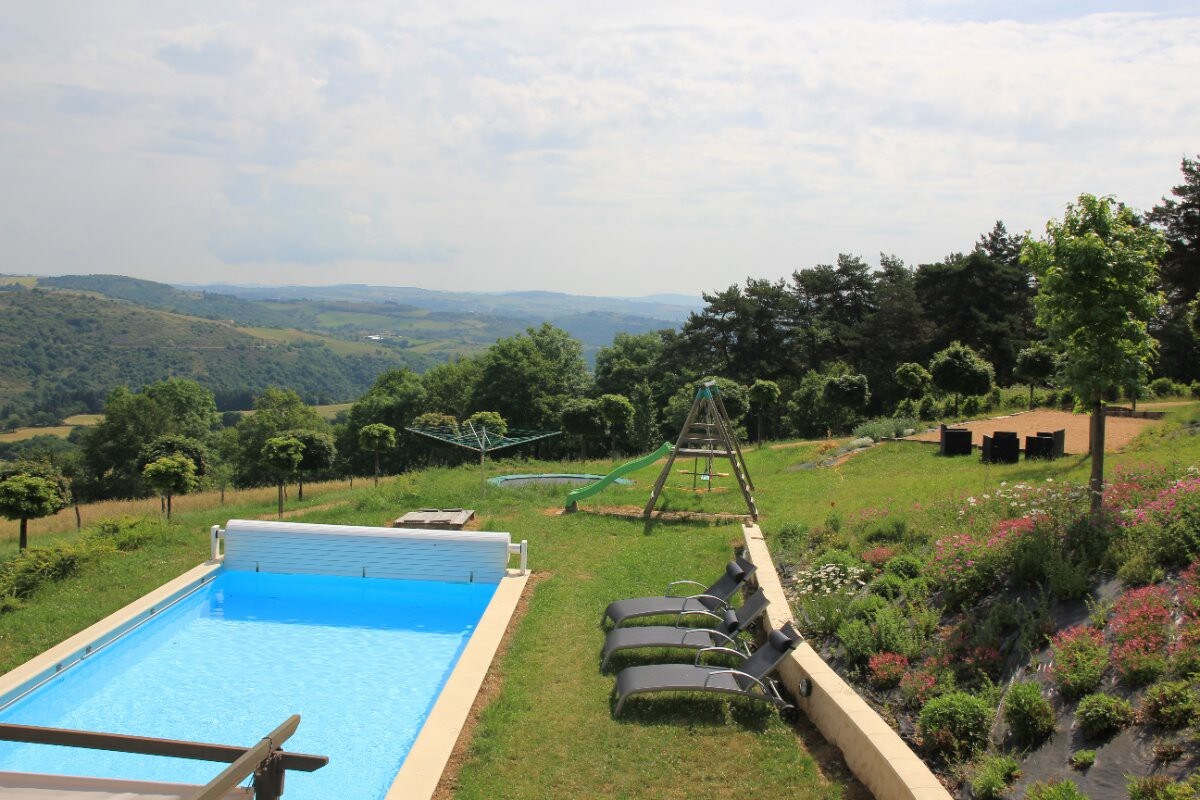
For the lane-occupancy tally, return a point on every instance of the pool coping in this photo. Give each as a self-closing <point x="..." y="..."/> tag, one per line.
<point x="422" y="769"/>
<point x="33" y="673"/>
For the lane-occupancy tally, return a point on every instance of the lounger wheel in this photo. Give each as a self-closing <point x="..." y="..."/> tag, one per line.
<point x="789" y="714"/>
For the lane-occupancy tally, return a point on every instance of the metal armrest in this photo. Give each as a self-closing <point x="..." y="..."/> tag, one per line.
<point x="724" y="605"/>
<point x="701" y="612"/>
<point x="679" y="583"/>
<point x="761" y="685"/>
<point x="727" y="650"/>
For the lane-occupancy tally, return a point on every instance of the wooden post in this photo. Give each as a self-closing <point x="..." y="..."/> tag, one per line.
<point x="1096" y="483"/>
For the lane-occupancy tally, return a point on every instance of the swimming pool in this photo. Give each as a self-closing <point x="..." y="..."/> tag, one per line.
<point x="362" y="660"/>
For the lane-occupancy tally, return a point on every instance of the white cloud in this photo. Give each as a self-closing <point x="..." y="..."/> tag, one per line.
<point x="613" y="150"/>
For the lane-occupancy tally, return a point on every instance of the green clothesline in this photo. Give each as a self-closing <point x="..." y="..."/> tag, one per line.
<point x="480" y="440"/>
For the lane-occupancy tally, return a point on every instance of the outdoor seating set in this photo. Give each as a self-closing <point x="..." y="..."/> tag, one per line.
<point x="727" y="626"/>
<point x="1003" y="447"/>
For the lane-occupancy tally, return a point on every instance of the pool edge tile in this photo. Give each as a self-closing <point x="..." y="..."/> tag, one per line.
<point x="422" y="769"/>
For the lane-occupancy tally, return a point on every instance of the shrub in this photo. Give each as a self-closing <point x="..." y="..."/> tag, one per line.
<point x="1195" y="390"/>
<point x="792" y="534"/>
<point x="1171" y="704"/>
<point x="971" y="406"/>
<point x="1158" y="787"/>
<point x="886" y="669"/>
<point x="1029" y="715"/>
<point x="886" y="427"/>
<point x="966" y="569"/>
<point x="878" y="556"/>
<point x="956" y="723"/>
<point x="1083" y="759"/>
<point x="916" y="589"/>
<point x="1101" y="714"/>
<point x="1054" y="790"/>
<point x="992" y="777"/>
<point x="864" y="608"/>
<point x="917" y="687"/>
<point x="891" y="531"/>
<point x="888" y="587"/>
<point x="22" y="575"/>
<point x="1168" y="524"/>
<point x="857" y="640"/>
<point x="1165" y="387"/>
<point x="1141" y="623"/>
<point x="928" y="408"/>
<point x="904" y="566"/>
<point x="894" y="634"/>
<point x="1080" y="657"/>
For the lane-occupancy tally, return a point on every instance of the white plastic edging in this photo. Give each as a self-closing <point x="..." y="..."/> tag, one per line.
<point x="874" y="752"/>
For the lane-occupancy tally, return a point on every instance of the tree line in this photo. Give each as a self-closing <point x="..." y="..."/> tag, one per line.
<point x="810" y="355"/>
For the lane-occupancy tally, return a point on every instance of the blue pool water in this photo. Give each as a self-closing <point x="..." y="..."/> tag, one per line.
<point x="361" y="660"/>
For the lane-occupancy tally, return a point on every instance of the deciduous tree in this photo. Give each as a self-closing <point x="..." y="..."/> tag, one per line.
<point x="281" y="455"/>
<point x="31" y="491"/>
<point x="959" y="370"/>
<point x="1097" y="273"/>
<point x="1035" y="366"/>
<point x="376" y="438"/>
<point x="764" y="396"/>
<point x="170" y="475"/>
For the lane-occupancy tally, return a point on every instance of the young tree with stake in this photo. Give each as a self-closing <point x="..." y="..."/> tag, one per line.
<point x="1097" y="271"/>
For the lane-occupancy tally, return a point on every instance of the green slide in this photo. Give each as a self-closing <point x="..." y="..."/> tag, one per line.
<point x="584" y="492"/>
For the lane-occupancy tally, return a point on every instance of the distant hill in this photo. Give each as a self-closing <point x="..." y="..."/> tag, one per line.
<point x="61" y="352"/>
<point x="168" y="298"/>
<point x="65" y="341"/>
<point x="532" y="305"/>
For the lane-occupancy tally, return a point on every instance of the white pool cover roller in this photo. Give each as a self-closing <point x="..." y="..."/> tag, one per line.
<point x="301" y="547"/>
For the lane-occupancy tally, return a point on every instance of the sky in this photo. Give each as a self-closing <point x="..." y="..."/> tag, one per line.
<point x="618" y="148"/>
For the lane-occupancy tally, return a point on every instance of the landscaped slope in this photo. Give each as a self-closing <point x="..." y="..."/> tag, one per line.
<point x="981" y="611"/>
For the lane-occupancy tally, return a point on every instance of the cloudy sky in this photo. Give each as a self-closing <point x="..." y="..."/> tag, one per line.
<point x="617" y="148"/>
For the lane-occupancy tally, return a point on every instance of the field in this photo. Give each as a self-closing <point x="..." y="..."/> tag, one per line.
<point x="21" y="434"/>
<point x="548" y="730"/>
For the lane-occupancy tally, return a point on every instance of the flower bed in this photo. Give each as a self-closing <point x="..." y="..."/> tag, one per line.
<point x="923" y="619"/>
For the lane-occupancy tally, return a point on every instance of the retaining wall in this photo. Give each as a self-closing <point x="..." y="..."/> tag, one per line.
<point x="874" y="752"/>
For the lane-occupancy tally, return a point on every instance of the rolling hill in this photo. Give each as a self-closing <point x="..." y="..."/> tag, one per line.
<point x="61" y="352"/>
<point x="66" y="340"/>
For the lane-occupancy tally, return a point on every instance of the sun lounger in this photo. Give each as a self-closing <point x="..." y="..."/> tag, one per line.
<point x="748" y="680"/>
<point x="724" y="634"/>
<point x="714" y="597"/>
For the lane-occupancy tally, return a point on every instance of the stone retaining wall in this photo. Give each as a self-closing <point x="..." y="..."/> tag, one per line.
<point x="874" y="752"/>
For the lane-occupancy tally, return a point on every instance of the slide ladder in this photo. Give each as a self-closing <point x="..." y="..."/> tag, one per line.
<point x="584" y="492"/>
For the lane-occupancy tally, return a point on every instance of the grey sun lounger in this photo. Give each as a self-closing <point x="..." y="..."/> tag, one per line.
<point x="713" y="598"/>
<point x="723" y="634"/>
<point x="748" y="680"/>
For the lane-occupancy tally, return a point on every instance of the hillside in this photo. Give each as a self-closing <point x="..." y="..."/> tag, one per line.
<point x="534" y="305"/>
<point x="434" y="325"/>
<point x="61" y="352"/>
